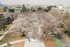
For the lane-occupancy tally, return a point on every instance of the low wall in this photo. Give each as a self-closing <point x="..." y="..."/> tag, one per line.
<point x="66" y="37"/>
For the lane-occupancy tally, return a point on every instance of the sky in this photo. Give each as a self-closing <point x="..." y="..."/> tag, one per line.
<point x="36" y="2"/>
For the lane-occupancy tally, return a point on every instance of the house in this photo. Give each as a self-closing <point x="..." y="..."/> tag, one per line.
<point x="1" y="7"/>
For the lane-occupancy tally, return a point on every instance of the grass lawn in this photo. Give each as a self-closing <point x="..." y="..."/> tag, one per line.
<point x="7" y="27"/>
<point x="8" y="38"/>
<point x="57" y="41"/>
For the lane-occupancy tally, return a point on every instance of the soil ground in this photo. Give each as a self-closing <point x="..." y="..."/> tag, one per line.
<point x="21" y="44"/>
<point x="49" y="42"/>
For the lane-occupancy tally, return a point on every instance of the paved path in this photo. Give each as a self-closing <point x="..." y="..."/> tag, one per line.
<point x="63" y="42"/>
<point x="14" y="42"/>
<point x="34" y="43"/>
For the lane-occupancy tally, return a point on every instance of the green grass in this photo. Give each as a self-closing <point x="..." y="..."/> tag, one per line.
<point x="57" y="41"/>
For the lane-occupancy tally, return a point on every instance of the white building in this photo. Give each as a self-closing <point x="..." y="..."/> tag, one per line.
<point x="60" y="10"/>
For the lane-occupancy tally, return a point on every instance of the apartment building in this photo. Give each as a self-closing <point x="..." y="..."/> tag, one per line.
<point x="59" y="10"/>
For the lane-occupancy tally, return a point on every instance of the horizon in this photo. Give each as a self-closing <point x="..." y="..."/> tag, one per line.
<point x="38" y="2"/>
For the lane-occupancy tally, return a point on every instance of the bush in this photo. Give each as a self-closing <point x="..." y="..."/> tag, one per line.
<point x="66" y="31"/>
<point x="46" y="10"/>
<point x="11" y="10"/>
<point x="39" y="8"/>
<point x="62" y="26"/>
<point x="33" y="10"/>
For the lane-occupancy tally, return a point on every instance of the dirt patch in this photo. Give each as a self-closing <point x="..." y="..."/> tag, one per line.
<point x="19" y="36"/>
<point x="21" y="44"/>
<point x="49" y="42"/>
<point x="62" y="29"/>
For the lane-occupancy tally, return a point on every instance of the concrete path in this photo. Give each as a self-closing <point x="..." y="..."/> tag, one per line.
<point x="34" y="43"/>
<point x="62" y="41"/>
<point x="14" y="42"/>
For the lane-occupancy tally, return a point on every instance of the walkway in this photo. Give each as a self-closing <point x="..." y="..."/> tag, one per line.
<point x="34" y="43"/>
<point x="63" y="42"/>
<point x="14" y="42"/>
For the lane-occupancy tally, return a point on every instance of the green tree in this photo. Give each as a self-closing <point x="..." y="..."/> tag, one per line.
<point x="33" y="10"/>
<point x="39" y="8"/>
<point x="23" y="9"/>
<point x="11" y="10"/>
<point x="46" y="10"/>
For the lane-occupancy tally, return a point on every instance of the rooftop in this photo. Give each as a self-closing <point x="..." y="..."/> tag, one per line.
<point x="1" y="5"/>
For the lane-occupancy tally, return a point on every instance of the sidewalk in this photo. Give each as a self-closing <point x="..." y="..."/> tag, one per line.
<point x="34" y="43"/>
<point x="62" y="41"/>
<point x="14" y="42"/>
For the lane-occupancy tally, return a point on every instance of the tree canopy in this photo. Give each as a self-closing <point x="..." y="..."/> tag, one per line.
<point x="11" y="10"/>
<point x="40" y="23"/>
<point x="23" y="9"/>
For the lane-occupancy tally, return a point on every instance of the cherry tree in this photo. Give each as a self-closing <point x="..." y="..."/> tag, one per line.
<point x="40" y="23"/>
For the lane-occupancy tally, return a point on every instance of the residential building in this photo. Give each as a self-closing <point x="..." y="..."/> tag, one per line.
<point x="1" y="7"/>
<point x="60" y="10"/>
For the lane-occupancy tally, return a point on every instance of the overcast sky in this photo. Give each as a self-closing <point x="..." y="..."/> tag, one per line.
<point x="36" y="2"/>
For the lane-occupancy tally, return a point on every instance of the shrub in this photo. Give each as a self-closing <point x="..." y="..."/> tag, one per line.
<point x="46" y="10"/>
<point x="33" y="10"/>
<point x="39" y="8"/>
<point x="66" y="31"/>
